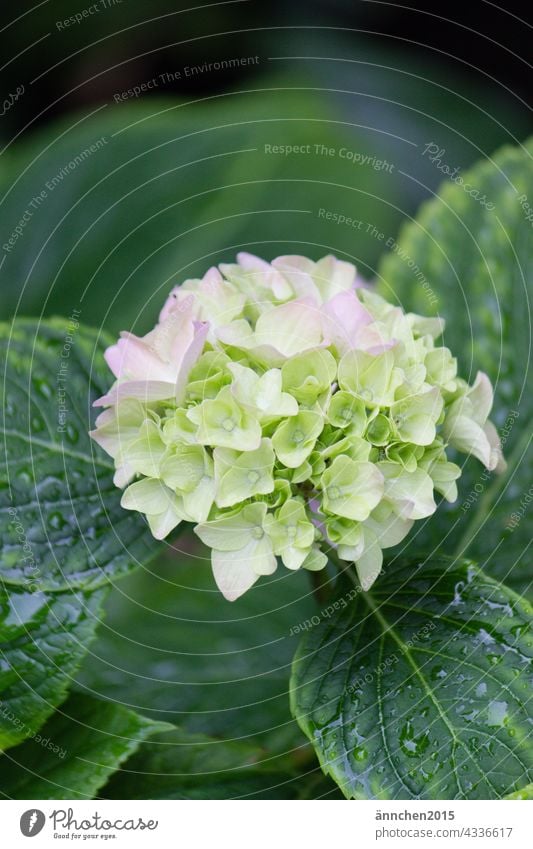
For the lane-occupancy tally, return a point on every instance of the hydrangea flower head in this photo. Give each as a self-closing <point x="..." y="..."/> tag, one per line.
<point x="287" y="410"/>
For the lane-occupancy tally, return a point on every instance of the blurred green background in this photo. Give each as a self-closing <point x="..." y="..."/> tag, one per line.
<point x="252" y="123"/>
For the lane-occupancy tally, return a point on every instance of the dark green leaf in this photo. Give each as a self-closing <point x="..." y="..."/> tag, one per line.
<point x="181" y="766"/>
<point x="419" y="688"/>
<point x="474" y="266"/>
<point x="43" y="637"/>
<point x="76" y="752"/>
<point x="61" y="524"/>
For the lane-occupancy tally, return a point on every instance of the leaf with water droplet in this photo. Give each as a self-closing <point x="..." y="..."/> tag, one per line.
<point x="440" y="712"/>
<point x="43" y="638"/>
<point x="61" y="523"/>
<point x="478" y="261"/>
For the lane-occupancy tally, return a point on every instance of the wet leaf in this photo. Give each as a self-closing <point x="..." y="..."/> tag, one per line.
<point x="419" y="688"/>
<point x="43" y="638"/>
<point x="76" y="752"/>
<point x="472" y="263"/>
<point x="61" y="523"/>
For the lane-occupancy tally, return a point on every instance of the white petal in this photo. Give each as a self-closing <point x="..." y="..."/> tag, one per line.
<point x="233" y="576"/>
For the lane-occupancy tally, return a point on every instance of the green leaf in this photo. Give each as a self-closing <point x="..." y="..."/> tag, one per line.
<point x="143" y="194"/>
<point x="76" y="752"/>
<point x="419" y="689"/>
<point x="43" y="638"/>
<point x="524" y="793"/>
<point x="181" y="766"/>
<point x="61" y="523"/>
<point x="474" y="266"/>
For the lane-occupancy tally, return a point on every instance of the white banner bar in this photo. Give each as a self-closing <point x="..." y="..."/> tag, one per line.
<point x="249" y="825"/>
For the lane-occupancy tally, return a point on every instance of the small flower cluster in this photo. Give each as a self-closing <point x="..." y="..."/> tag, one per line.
<point x="286" y="409"/>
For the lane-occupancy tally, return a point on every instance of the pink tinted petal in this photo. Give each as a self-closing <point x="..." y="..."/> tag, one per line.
<point x="190" y="356"/>
<point x="178" y="299"/>
<point x="334" y="276"/>
<point x="291" y="328"/>
<point x="271" y="277"/>
<point x="345" y="318"/>
<point x="143" y="390"/>
<point x="212" y="279"/>
<point x="132" y="358"/>
<point x="298" y="271"/>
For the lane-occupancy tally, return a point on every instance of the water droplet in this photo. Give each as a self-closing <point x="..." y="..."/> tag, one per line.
<point x="496" y="713"/>
<point x="72" y="434"/>
<point x="57" y="521"/>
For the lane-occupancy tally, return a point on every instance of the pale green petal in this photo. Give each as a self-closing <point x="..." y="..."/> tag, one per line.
<point x="423" y="325"/>
<point x="233" y="576"/>
<point x="183" y="469"/>
<point x="222" y="422"/>
<point x="145" y="453"/>
<point x="307" y="376"/>
<point x="295" y="438"/>
<point x="345" y="410"/>
<point x="369" y="563"/>
<point x="208" y="376"/>
<point x="162" y="524"/>
<point x="389" y="528"/>
<point x="291" y="532"/>
<point x="441" y="368"/>
<point x="241" y="475"/>
<point x="236" y="572"/>
<point x="415" y="418"/>
<point x="371" y="378"/>
<point x="117" y="426"/>
<point x="179" y="428"/>
<point x="465" y="434"/>
<point x="262" y="393"/>
<point x="149" y="496"/>
<point x="233" y="529"/>
<point x="199" y="501"/>
<point x="315" y="560"/>
<point x="353" y="446"/>
<point x="351" y="489"/>
<point x="379" y="430"/>
<point x="409" y="493"/>
<point x="481" y="397"/>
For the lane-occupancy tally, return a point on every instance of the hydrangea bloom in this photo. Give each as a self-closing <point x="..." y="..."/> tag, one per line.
<point x="285" y="410"/>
